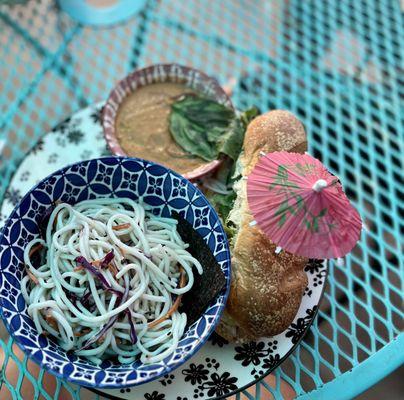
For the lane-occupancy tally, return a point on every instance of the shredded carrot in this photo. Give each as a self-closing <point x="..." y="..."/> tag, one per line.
<point x="174" y="307"/>
<point x="112" y="267"/>
<point x="54" y="221"/>
<point x="120" y="227"/>
<point x="82" y="332"/>
<point x="101" y="339"/>
<point x="79" y="267"/>
<point x="34" y="249"/>
<point x="52" y="322"/>
<point x="32" y="277"/>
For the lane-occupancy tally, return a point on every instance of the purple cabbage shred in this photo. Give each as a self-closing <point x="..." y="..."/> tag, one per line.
<point x="107" y="259"/>
<point x="133" y="336"/>
<point x="85" y="299"/>
<point x="121" y="299"/>
<point x="98" y="274"/>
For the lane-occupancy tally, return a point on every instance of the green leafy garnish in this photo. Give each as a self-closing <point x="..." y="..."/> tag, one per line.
<point x="206" y="128"/>
<point x="223" y="203"/>
<point x="231" y="141"/>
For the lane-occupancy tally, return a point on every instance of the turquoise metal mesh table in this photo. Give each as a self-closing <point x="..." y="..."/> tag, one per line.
<point x="336" y="64"/>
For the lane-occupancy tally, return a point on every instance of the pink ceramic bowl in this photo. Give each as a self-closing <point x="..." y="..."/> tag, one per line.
<point x="160" y="73"/>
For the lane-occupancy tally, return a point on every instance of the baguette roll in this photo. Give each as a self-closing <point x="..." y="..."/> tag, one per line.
<point x="266" y="288"/>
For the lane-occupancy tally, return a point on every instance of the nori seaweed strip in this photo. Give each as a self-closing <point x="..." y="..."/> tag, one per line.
<point x="207" y="286"/>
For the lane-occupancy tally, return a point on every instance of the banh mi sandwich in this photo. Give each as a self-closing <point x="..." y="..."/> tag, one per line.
<point x="266" y="287"/>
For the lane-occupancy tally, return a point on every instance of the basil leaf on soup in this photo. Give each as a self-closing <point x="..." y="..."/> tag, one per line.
<point x="191" y="137"/>
<point x="197" y="123"/>
<point x="206" y="128"/>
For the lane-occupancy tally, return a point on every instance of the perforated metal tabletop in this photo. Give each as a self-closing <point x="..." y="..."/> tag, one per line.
<point x="338" y="65"/>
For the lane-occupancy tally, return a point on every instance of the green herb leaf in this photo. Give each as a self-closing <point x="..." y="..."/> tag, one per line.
<point x="248" y="115"/>
<point x="206" y="128"/>
<point x="191" y="137"/>
<point x="197" y="123"/>
<point x="203" y="112"/>
<point x="223" y="203"/>
<point x="231" y="142"/>
<point x="230" y="231"/>
<point x="225" y="173"/>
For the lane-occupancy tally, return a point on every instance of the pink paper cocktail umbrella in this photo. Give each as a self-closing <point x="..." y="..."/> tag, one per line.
<point x="301" y="206"/>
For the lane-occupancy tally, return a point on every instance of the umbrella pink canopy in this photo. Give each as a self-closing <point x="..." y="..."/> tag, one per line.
<point x="301" y="206"/>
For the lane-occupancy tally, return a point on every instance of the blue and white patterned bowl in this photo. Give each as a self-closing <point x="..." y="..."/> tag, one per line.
<point x="161" y="188"/>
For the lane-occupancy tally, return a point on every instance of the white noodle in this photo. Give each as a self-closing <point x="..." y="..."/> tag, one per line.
<point x="148" y="256"/>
